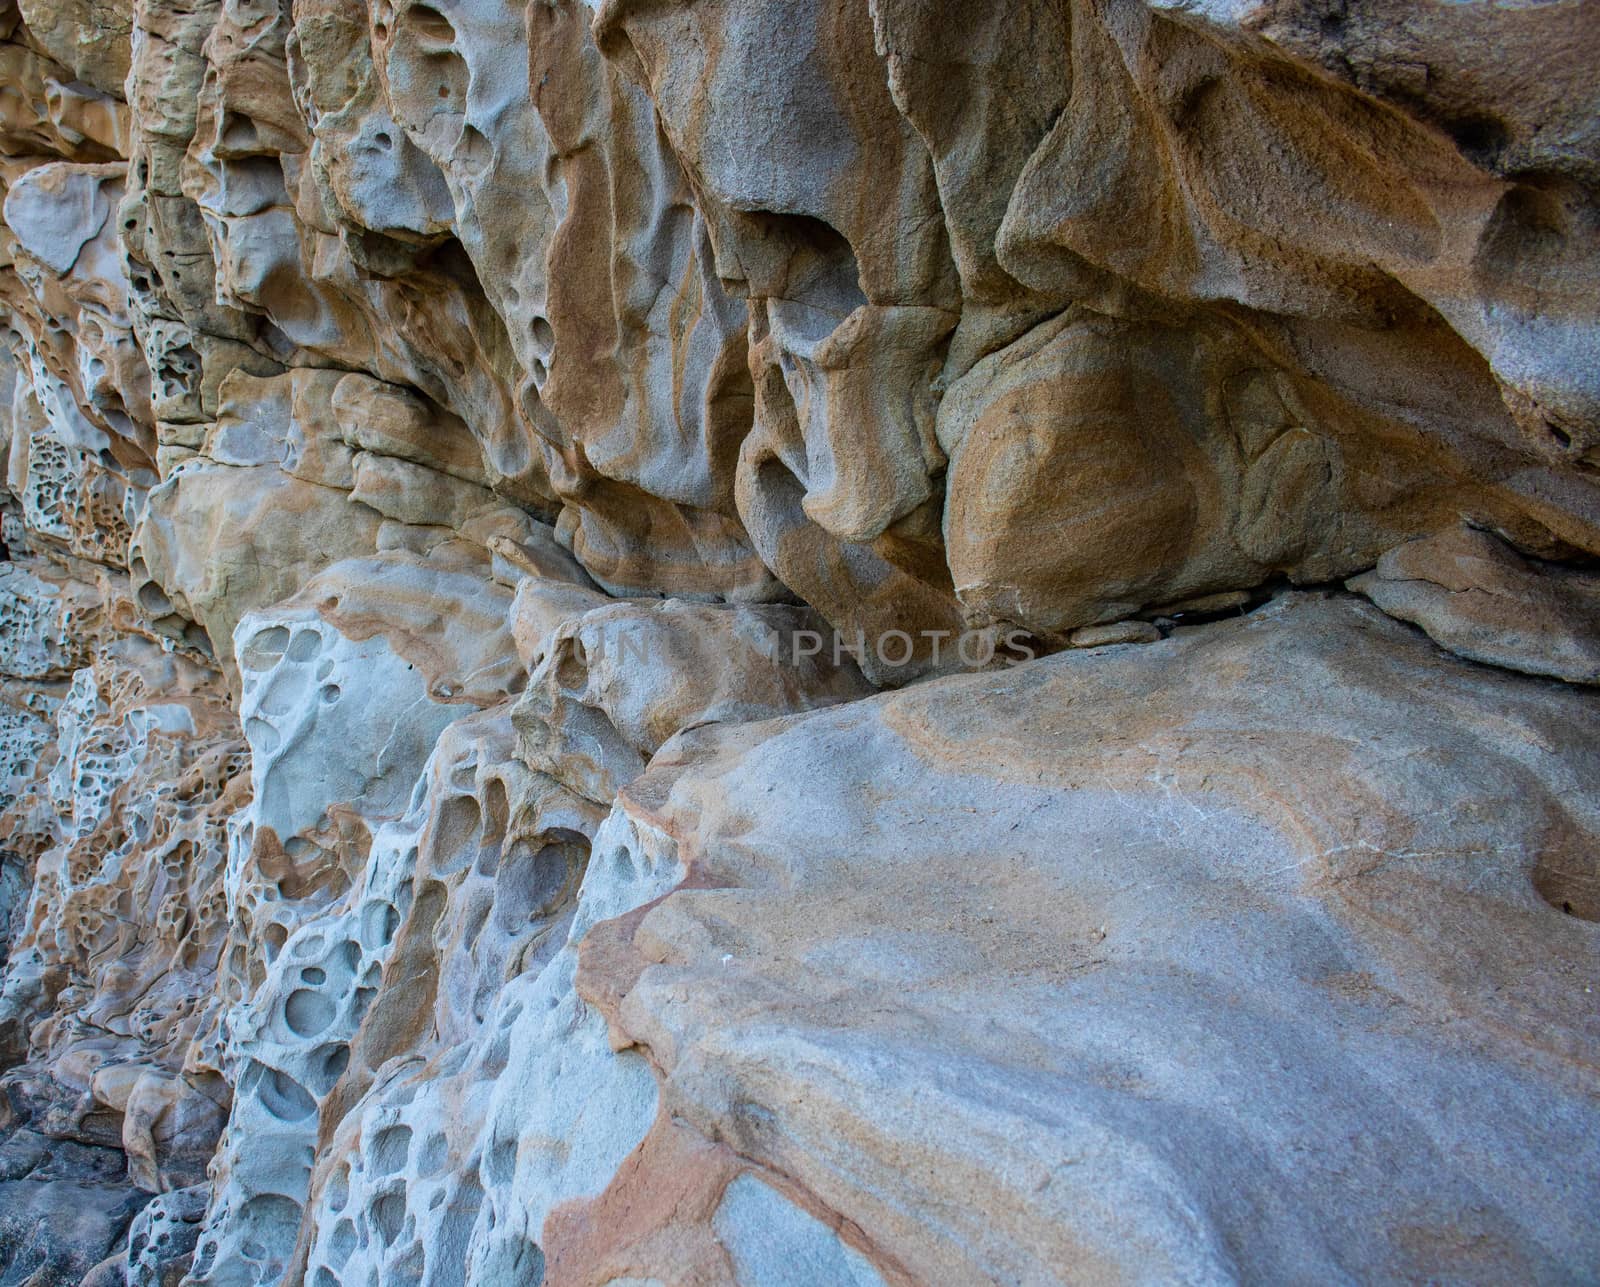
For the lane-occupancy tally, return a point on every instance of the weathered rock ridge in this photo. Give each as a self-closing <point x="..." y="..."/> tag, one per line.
<point x="842" y="641"/>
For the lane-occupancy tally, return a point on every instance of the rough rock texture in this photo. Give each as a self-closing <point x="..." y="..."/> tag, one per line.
<point x="1478" y="597"/>
<point x="841" y="641"/>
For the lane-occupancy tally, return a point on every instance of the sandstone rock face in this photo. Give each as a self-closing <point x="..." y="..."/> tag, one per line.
<point x="1476" y="596"/>
<point x="848" y="641"/>
<point x="1059" y="924"/>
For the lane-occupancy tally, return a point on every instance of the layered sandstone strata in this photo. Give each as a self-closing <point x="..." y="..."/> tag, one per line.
<point x="686" y="641"/>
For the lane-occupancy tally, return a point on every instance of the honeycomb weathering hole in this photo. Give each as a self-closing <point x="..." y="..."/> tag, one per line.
<point x="284" y="1097"/>
<point x="1571" y="886"/>
<point x="305" y="645"/>
<point x="308" y="1012"/>
<point x="264" y="648"/>
<point x="428" y="26"/>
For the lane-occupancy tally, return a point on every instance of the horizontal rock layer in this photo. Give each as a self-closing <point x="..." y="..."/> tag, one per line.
<point x="822" y="642"/>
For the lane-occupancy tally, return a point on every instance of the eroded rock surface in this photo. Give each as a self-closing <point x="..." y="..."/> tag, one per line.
<point x="1014" y="975"/>
<point x="497" y="504"/>
<point x="1477" y="596"/>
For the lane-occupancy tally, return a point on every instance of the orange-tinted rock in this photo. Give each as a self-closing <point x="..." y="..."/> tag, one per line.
<point x="454" y="452"/>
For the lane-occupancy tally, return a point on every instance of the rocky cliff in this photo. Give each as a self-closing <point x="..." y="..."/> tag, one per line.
<point x="810" y="642"/>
